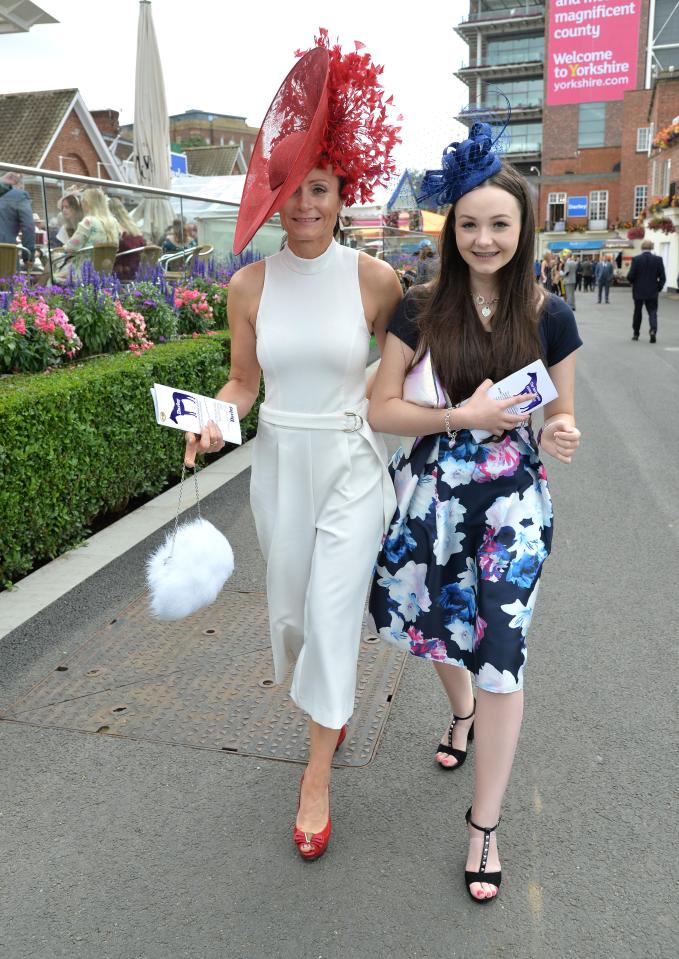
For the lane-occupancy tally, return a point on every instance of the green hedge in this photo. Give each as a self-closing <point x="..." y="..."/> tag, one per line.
<point x="80" y="442"/>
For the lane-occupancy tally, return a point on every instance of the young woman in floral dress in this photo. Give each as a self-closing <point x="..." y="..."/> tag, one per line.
<point x="457" y="576"/>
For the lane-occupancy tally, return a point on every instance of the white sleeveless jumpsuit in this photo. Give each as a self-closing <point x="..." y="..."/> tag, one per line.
<point x="320" y="492"/>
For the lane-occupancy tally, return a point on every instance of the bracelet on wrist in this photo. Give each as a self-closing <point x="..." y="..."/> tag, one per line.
<point x="452" y="434"/>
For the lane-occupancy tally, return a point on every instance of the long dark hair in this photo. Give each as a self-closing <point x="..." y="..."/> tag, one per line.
<point x="462" y="352"/>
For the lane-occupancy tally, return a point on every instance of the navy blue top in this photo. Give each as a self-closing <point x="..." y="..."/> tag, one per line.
<point x="558" y="329"/>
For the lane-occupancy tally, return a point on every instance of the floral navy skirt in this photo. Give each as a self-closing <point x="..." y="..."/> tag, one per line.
<point x="457" y="576"/>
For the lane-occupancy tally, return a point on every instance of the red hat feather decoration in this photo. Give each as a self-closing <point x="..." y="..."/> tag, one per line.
<point x="329" y="111"/>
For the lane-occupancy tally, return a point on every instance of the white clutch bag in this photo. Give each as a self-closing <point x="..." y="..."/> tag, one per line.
<point x="189" y="569"/>
<point x="423" y="387"/>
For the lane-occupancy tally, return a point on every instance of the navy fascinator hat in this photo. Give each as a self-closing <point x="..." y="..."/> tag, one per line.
<point x="465" y="165"/>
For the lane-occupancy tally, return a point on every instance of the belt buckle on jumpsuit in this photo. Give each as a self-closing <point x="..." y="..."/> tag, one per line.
<point x="357" y="422"/>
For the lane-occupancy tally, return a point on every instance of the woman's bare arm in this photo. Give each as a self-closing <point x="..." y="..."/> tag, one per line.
<point x="559" y="436"/>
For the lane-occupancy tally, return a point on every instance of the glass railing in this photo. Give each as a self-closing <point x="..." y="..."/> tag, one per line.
<point x="152" y="227"/>
<point x="500" y="106"/>
<point x="533" y="59"/>
<point x="522" y="145"/>
<point x="512" y="57"/>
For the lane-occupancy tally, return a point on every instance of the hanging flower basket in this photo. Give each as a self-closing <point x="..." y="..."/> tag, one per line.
<point x="666" y="137"/>
<point x="636" y="233"/>
<point x="662" y="223"/>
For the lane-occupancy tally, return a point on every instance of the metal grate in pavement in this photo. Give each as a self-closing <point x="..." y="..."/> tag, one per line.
<point x="205" y="682"/>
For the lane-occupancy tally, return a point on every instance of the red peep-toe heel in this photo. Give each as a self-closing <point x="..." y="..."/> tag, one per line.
<point x="342" y="736"/>
<point x="317" y="840"/>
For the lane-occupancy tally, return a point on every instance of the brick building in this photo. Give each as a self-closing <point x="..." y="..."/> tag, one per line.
<point x="214" y="129"/>
<point x="590" y="162"/>
<point x="53" y="130"/>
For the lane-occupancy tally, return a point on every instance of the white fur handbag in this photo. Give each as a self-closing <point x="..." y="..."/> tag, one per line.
<point x="189" y="569"/>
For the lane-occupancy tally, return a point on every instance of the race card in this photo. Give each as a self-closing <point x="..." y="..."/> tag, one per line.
<point x="190" y="412"/>
<point x="534" y="379"/>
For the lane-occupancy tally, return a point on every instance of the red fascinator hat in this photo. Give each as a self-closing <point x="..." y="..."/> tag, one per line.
<point x="329" y="111"/>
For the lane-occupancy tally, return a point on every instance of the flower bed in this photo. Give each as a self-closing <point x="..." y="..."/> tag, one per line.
<point x="43" y="327"/>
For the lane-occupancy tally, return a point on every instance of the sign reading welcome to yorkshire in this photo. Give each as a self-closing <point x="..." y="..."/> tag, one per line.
<point x="592" y="50"/>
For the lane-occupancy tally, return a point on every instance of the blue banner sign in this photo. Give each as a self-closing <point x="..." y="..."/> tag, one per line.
<point x="576" y="206"/>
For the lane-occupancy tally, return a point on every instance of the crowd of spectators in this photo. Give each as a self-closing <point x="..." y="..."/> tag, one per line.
<point x="592" y="272"/>
<point x="85" y="220"/>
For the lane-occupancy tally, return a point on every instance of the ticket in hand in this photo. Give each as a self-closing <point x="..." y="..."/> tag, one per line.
<point x="534" y="379"/>
<point x="190" y="412"/>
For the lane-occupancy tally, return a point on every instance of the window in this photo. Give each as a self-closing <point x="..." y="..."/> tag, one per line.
<point x="556" y="208"/>
<point x="665" y="178"/>
<point x="591" y="124"/>
<point x="640" y="194"/>
<point x="643" y="139"/>
<point x="666" y="34"/>
<point x="514" y="50"/>
<point x="598" y="205"/>
<point x="524" y="92"/>
<point x="523" y="138"/>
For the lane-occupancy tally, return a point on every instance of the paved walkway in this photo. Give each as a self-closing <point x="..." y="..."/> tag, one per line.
<point x="117" y="849"/>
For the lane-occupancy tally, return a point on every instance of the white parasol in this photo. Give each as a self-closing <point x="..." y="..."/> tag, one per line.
<point x="151" y="129"/>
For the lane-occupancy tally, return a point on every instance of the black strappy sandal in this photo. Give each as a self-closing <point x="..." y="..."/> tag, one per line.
<point x="494" y="878"/>
<point x="449" y="750"/>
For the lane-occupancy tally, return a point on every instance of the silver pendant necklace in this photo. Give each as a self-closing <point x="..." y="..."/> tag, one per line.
<point x="486" y="307"/>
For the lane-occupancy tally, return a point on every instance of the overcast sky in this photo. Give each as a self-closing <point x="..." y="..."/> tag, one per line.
<point x="230" y="57"/>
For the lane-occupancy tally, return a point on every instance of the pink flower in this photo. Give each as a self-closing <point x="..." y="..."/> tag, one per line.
<point x="20" y="326"/>
<point x="479" y="630"/>
<point x="419" y="646"/>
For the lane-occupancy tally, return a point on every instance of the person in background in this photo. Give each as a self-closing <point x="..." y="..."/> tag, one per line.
<point x="587" y="275"/>
<point x="578" y="273"/>
<point x="647" y="276"/>
<point x="603" y="277"/>
<point x="427" y="263"/>
<point x="175" y="238"/>
<point x="546" y="268"/>
<point x="96" y="226"/>
<point x="557" y="277"/>
<point x="71" y="212"/>
<point x="131" y="238"/>
<point x="570" y="268"/>
<point x="16" y="216"/>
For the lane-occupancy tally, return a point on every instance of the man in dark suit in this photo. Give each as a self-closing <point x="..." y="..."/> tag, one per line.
<point x="647" y="276"/>
<point x="16" y="215"/>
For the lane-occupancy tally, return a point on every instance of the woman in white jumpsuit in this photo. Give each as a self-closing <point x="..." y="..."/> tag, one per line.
<point x="320" y="492"/>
